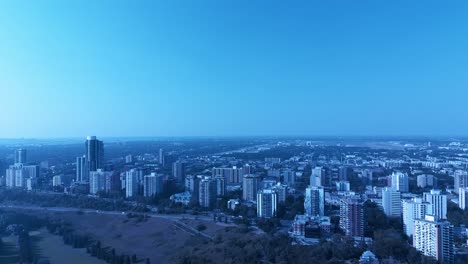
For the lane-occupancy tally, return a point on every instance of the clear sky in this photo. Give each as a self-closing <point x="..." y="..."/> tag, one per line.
<point x="227" y="68"/>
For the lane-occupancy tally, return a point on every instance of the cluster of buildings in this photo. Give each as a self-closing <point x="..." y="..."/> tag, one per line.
<point x="21" y="174"/>
<point x="265" y="184"/>
<point x="91" y="174"/>
<point x="201" y="190"/>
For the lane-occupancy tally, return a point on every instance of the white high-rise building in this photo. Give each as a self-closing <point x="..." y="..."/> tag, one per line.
<point x="463" y="198"/>
<point x="391" y="202"/>
<point x="207" y="192"/>
<point x="434" y="238"/>
<point x="314" y="202"/>
<point x="316" y="176"/>
<point x="231" y="175"/>
<point x="400" y="182"/>
<point x="352" y="216"/>
<point x="82" y="170"/>
<point x="10" y="178"/>
<point x="425" y="180"/>
<point x="98" y="181"/>
<point x="460" y="178"/>
<point x="438" y="204"/>
<point x="30" y="183"/>
<point x="20" y="156"/>
<point x="413" y="209"/>
<point x="153" y="184"/>
<point x="220" y="185"/>
<point x="18" y="174"/>
<point x="250" y="186"/>
<point x="267" y="201"/>
<point x="131" y="183"/>
<point x="57" y="180"/>
<point x="343" y="186"/>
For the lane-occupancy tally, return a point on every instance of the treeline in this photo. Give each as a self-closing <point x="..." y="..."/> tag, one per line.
<point x="94" y="248"/>
<point x="455" y="215"/>
<point x="20" y="224"/>
<point x="241" y="246"/>
<point x="63" y="200"/>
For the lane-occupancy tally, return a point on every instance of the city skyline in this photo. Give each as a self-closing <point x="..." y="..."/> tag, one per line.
<point x="241" y="68"/>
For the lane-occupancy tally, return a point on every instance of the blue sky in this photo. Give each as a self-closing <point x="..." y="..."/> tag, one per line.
<point x="228" y="68"/>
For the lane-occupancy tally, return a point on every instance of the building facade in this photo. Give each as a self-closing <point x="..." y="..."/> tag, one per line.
<point x="267" y="201"/>
<point x="391" y="202"/>
<point x="352" y="216"/>
<point x="314" y="202"/>
<point x="434" y="239"/>
<point x="250" y="187"/>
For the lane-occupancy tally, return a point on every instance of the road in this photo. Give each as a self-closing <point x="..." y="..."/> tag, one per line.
<point x="173" y="217"/>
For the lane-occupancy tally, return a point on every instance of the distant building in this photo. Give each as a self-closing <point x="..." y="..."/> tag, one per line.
<point x="391" y="202"/>
<point x="314" y="202"/>
<point x="400" y="182"/>
<point x="220" y="185"/>
<point x="274" y="173"/>
<point x="270" y="162"/>
<point x="289" y="177"/>
<point x="178" y="171"/>
<point x="94" y="153"/>
<point x="32" y="171"/>
<point x="57" y="180"/>
<point x="30" y="183"/>
<point x="162" y="158"/>
<point x="438" y="204"/>
<point x="305" y="226"/>
<point x="343" y="186"/>
<point x="131" y="183"/>
<point x="425" y="180"/>
<point x="192" y="185"/>
<point x="153" y="184"/>
<point x="368" y="175"/>
<point x="281" y="191"/>
<point x="232" y="175"/>
<point x="316" y="176"/>
<point x="250" y="187"/>
<point x="267" y="201"/>
<point x="413" y="209"/>
<point x="20" y="156"/>
<point x="434" y="238"/>
<point x="98" y="181"/>
<point x="463" y="198"/>
<point x="343" y="173"/>
<point x="82" y="170"/>
<point x="352" y="216"/>
<point x="18" y="174"/>
<point x="207" y="192"/>
<point x="460" y="178"/>
<point x="129" y="159"/>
